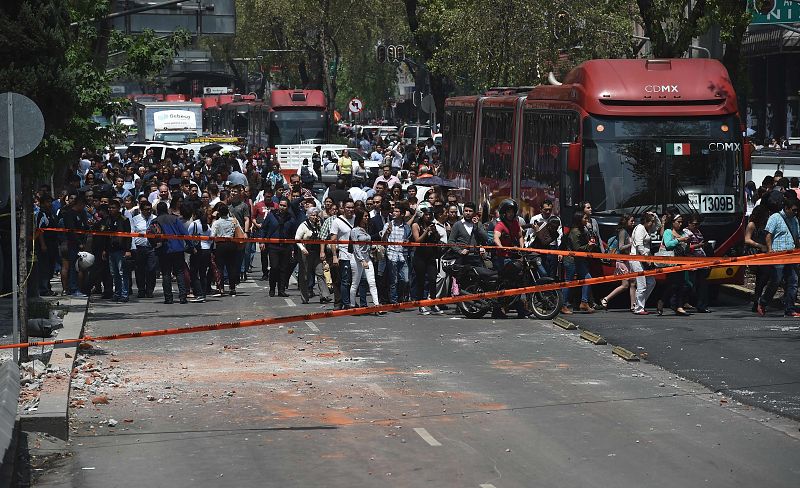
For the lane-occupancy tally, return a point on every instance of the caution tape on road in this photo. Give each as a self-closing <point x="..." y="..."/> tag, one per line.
<point x="267" y="240"/>
<point x="783" y="258"/>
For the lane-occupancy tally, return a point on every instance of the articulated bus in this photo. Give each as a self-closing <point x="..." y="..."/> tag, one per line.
<point x="291" y="117"/>
<point x="628" y="136"/>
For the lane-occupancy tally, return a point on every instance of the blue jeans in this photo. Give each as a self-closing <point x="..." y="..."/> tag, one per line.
<point x="116" y="263"/>
<point x="247" y="257"/>
<point x="398" y="273"/>
<point x="779" y="272"/>
<point x="579" y="267"/>
<point x="346" y="277"/>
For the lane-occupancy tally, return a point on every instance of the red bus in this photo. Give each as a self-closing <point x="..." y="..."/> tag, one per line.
<point x="291" y="117"/>
<point x="627" y="135"/>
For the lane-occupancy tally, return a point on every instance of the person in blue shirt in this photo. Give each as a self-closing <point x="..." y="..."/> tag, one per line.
<point x="783" y="231"/>
<point x="170" y="253"/>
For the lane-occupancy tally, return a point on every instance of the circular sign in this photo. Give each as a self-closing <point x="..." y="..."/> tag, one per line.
<point x="28" y="124"/>
<point x="355" y="106"/>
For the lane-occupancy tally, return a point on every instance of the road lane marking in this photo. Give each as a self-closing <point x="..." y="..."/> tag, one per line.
<point x="312" y="326"/>
<point x="486" y="485"/>
<point x="377" y="390"/>
<point x="290" y="302"/>
<point x="427" y="437"/>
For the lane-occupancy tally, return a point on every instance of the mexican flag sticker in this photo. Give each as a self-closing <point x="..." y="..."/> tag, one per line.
<point x="678" y="149"/>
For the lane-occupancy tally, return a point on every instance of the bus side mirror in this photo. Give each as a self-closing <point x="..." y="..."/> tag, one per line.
<point x="748" y="155"/>
<point x="574" y="156"/>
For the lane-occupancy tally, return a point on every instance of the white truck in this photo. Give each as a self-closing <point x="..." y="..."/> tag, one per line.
<point x="168" y="121"/>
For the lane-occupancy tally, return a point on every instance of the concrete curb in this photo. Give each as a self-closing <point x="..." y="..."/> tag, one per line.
<point x="744" y="293"/>
<point x="595" y="338"/>
<point x="738" y="291"/>
<point x="52" y="416"/>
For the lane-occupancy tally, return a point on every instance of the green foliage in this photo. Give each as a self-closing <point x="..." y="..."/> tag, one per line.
<point x="319" y="34"/>
<point x="65" y="70"/>
<point x="483" y="43"/>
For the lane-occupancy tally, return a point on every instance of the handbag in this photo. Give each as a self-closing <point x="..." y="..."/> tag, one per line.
<point x="663" y="252"/>
<point x="326" y="272"/>
<point x="238" y="233"/>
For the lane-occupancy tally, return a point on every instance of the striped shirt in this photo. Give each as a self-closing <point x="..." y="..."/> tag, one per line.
<point x="397" y="233"/>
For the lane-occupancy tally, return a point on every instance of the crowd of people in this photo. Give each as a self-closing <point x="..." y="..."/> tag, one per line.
<point x="247" y="195"/>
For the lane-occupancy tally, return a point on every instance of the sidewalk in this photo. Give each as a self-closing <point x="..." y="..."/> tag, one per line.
<point x="44" y="394"/>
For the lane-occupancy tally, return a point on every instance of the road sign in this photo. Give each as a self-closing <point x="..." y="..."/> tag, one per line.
<point x="784" y="12"/>
<point x="21" y="131"/>
<point x="355" y="106"/>
<point x="27" y="121"/>
<point x="428" y="104"/>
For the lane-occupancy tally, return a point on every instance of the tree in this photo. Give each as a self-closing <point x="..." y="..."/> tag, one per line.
<point x="313" y="42"/>
<point x="669" y="26"/>
<point x="65" y="70"/>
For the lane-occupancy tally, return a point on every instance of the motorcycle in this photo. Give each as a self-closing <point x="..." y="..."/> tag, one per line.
<point x="518" y="273"/>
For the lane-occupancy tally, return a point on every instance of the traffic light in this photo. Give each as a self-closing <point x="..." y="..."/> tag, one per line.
<point x="764" y="6"/>
<point x="400" y="52"/>
<point x="391" y="53"/>
<point x="380" y="55"/>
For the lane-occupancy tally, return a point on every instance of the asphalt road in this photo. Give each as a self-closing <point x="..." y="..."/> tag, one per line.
<point x="753" y="359"/>
<point x="400" y="400"/>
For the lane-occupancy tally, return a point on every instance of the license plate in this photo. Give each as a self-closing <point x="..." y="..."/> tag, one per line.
<point x="717" y="204"/>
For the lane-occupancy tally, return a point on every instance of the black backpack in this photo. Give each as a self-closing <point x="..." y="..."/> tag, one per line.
<point x="156" y="243"/>
<point x="305" y="175"/>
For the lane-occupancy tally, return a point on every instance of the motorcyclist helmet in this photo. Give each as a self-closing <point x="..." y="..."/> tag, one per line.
<point x="505" y="206"/>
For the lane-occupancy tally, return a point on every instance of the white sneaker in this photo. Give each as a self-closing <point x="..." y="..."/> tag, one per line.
<point x="424" y="311"/>
<point x="438" y="311"/>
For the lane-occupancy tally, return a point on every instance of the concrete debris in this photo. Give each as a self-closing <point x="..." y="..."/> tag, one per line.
<point x="100" y="400"/>
<point x="112" y="423"/>
<point x="35" y="368"/>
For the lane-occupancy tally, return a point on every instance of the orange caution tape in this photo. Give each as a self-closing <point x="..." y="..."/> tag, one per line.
<point x="264" y="240"/>
<point x="781" y="258"/>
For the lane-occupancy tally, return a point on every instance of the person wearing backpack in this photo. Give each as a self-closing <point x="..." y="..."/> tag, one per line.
<point x="307" y="175"/>
<point x="621" y="244"/>
<point x="170" y="252"/>
<point x="783" y="231"/>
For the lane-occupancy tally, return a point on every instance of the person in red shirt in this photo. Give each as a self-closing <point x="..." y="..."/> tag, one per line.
<point x="507" y="233"/>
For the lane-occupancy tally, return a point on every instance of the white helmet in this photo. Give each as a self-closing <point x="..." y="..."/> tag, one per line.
<point x="85" y="260"/>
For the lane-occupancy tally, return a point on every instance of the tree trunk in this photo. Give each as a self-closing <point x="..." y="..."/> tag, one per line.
<point x="23" y="238"/>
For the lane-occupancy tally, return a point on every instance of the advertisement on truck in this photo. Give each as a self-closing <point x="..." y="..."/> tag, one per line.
<point x="168" y="121"/>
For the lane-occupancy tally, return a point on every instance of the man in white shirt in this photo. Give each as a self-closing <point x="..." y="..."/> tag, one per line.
<point x="145" y="260"/>
<point x="340" y="231"/>
<point x="537" y="221"/>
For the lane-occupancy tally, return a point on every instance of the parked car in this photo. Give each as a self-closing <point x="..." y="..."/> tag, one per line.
<point x="415" y="134"/>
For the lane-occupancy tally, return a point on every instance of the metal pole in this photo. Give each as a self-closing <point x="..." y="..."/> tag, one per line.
<point x="12" y="186"/>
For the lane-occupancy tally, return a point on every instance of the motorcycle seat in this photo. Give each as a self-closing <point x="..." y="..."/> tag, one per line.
<point x="486" y="274"/>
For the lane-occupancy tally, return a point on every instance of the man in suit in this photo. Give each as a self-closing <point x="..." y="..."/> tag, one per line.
<point x="468" y="231"/>
<point x="377" y="223"/>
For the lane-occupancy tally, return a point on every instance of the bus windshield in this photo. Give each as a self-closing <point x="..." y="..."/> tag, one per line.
<point x="296" y="127"/>
<point x="634" y="165"/>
